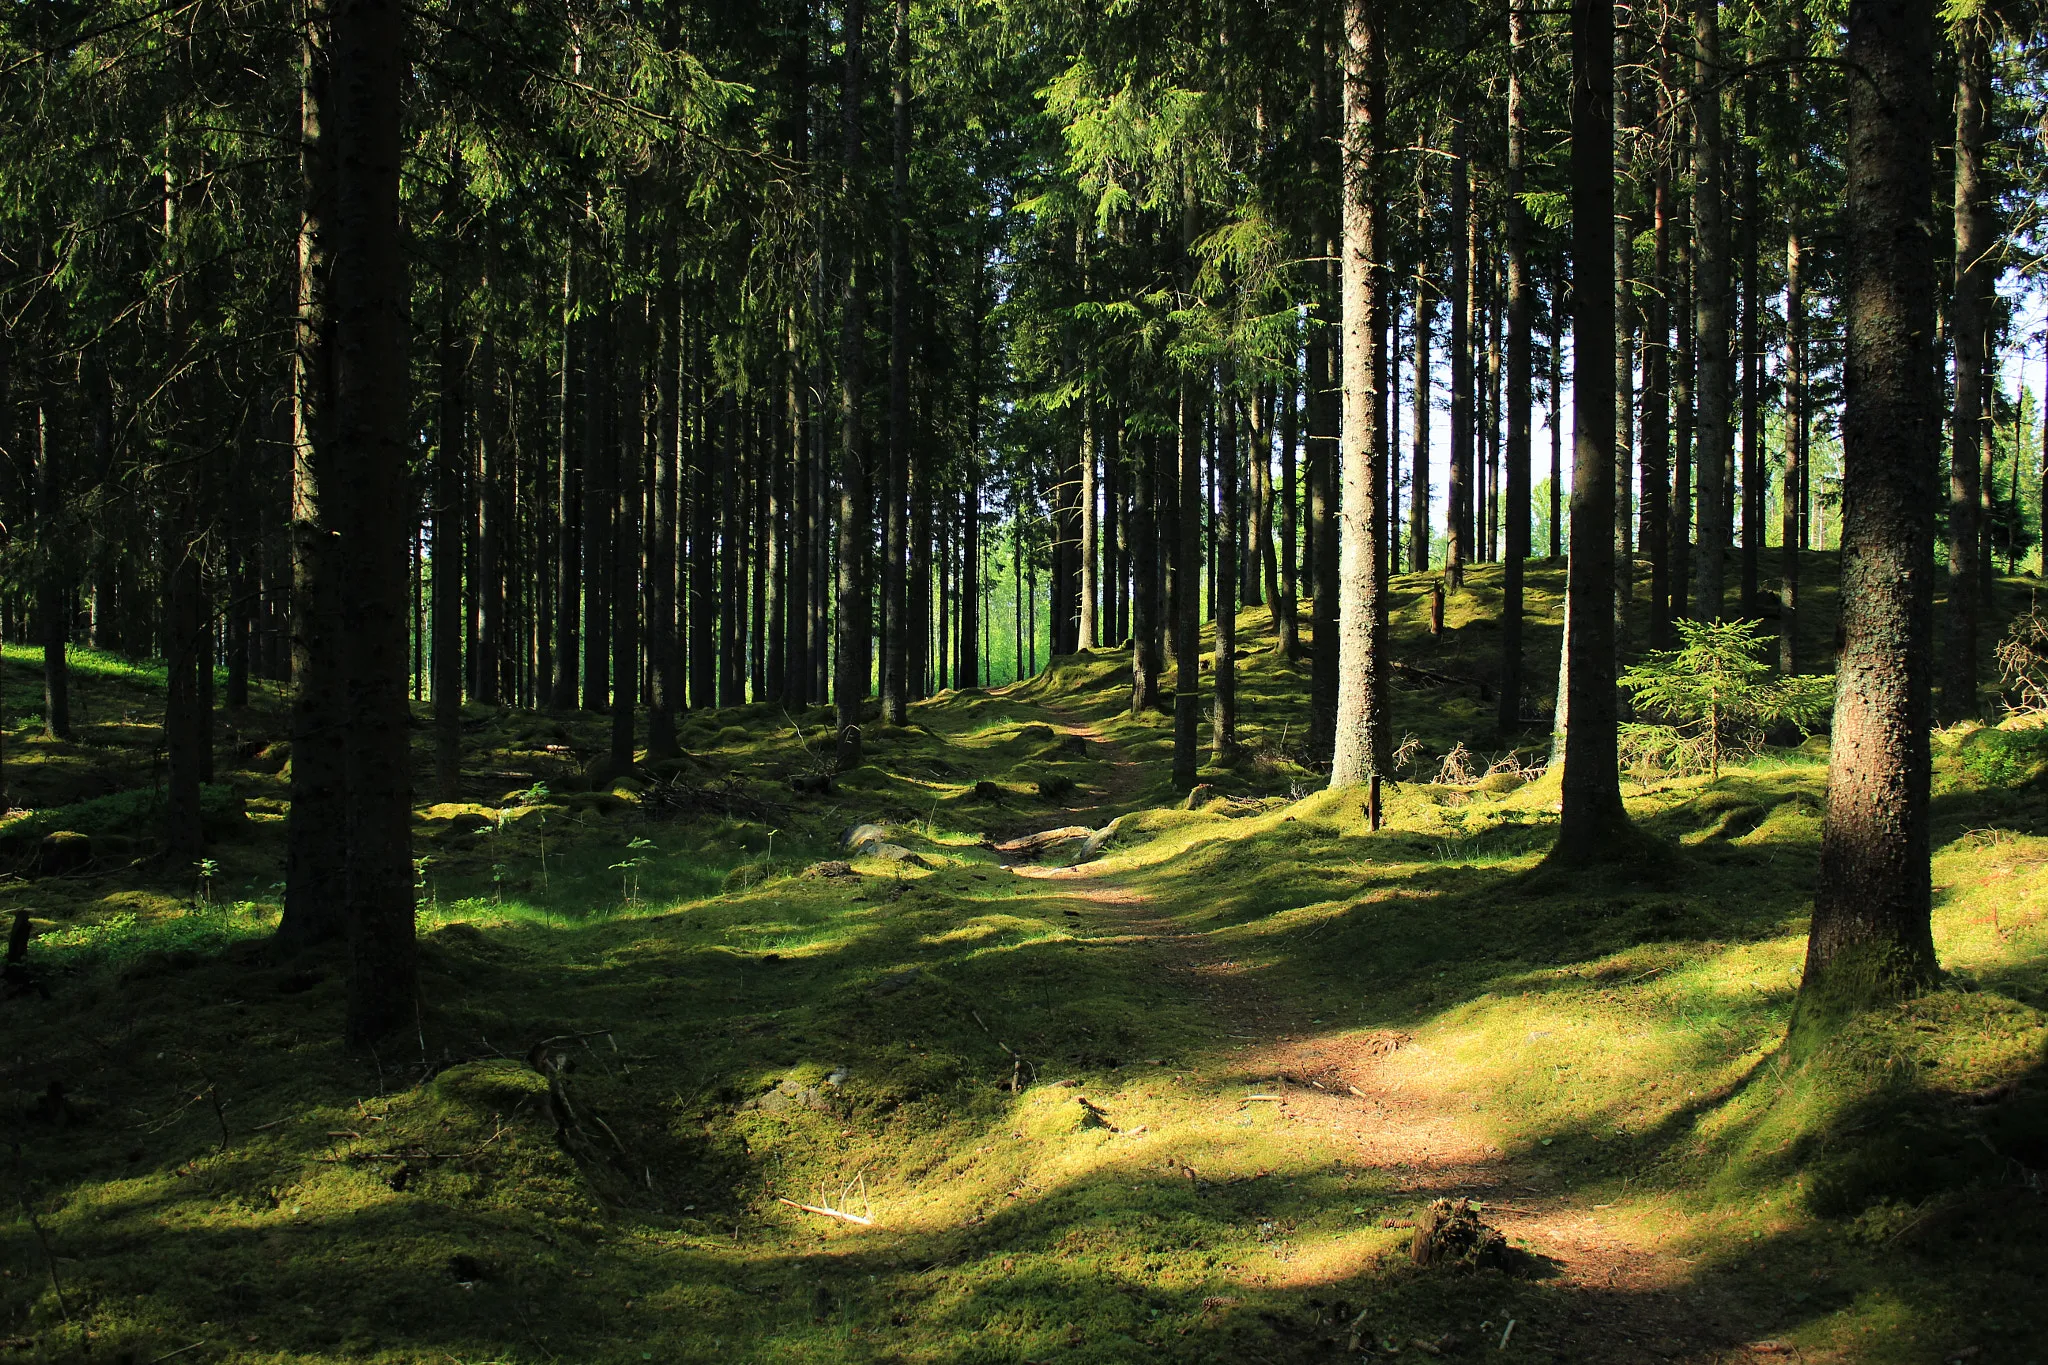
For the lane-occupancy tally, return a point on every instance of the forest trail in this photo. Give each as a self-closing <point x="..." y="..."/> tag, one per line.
<point x="1342" y="1091"/>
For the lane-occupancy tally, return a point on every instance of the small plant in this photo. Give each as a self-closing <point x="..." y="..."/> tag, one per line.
<point x="420" y="888"/>
<point x="1716" y="697"/>
<point x="206" y="868"/>
<point x="628" y="869"/>
<point x="536" y="796"/>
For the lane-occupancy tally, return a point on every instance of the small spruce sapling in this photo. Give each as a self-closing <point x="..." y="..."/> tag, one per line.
<point x="628" y="869"/>
<point x="1717" y="698"/>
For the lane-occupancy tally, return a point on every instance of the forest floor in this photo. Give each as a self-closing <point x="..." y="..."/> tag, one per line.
<point x="1179" y="1092"/>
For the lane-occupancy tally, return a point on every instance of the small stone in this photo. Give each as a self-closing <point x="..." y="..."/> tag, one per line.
<point x="1200" y="795"/>
<point x="831" y="868"/>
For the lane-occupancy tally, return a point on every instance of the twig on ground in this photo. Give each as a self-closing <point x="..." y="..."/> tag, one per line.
<point x="822" y="1211"/>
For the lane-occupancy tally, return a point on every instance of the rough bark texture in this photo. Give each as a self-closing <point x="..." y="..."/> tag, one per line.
<point x="450" y="517"/>
<point x="1418" y="480"/>
<point x="1361" y="661"/>
<point x="850" y="676"/>
<point x="1656" y="422"/>
<point x="1969" y="318"/>
<point x="1187" y="605"/>
<point x="316" y="847"/>
<point x="895" y="480"/>
<point x="1871" y="937"/>
<point x="1223" y="730"/>
<point x="1458" y="502"/>
<point x="1516" y="503"/>
<point x="1710" y="305"/>
<point x="369" y="296"/>
<point x="1593" y="815"/>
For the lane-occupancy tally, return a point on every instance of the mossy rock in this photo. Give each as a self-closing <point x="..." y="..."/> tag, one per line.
<point x="733" y="735"/>
<point x="1034" y="734"/>
<point x="1500" y="783"/>
<point x="494" y="1087"/>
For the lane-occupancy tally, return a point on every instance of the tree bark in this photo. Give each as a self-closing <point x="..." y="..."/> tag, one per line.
<point x="1871" y="937"/>
<point x="568" y="499"/>
<point x="1518" y="363"/>
<point x="1593" y="815"/>
<point x="316" y="842"/>
<point x="626" y="548"/>
<point x="1710" y="305"/>
<point x="850" y="676"/>
<point x="665" y="683"/>
<point x="1752" y="358"/>
<point x="1187" y="606"/>
<point x="1458" y="502"/>
<point x="1418" y="483"/>
<point x="1360" y="748"/>
<point x="369" y="293"/>
<point x="895" y="530"/>
<point x="450" y="518"/>
<point x="53" y="589"/>
<point x="1223" y="736"/>
<point x="1969" y="320"/>
<point x="1656" y="420"/>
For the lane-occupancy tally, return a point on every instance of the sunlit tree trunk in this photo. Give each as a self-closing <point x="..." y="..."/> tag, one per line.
<point x="1871" y="937"/>
<point x="1969" y="320"/>
<point x="1516" y="510"/>
<point x="1360" y="748"/>
<point x="856" y="526"/>
<point x="1710" y="307"/>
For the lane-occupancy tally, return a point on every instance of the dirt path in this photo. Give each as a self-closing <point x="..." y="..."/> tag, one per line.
<point x="1637" y="1299"/>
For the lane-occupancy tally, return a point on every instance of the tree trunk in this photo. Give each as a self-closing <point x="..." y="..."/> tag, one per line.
<point x="450" y="515"/>
<point x="1557" y="426"/>
<point x="568" y="499"/>
<point x="1752" y="357"/>
<point x="1223" y="736"/>
<point x="850" y="680"/>
<point x="1710" y="305"/>
<point x="1187" y="606"/>
<point x="1360" y="747"/>
<point x="664" y="677"/>
<point x="316" y="842"/>
<point x="895" y="529"/>
<point x="1418" y="483"/>
<point x="631" y="319"/>
<point x="369" y="295"/>
<point x="1969" y="320"/>
<point x="1593" y="815"/>
<point x="1871" y="937"/>
<point x="1795" y="372"/>
<point x="600" y="493"/>
<point x="1656" y="423"/>
<point x="1518" y="362"/>
<point x="1458" y="502"/>
<point x="1682" y="427"/>
<point x="1287" y="604"/>
<point x="53" y="591"/>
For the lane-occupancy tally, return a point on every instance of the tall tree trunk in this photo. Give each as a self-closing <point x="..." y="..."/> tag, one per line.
<point x="631" y="324"/>
<point x="53" y="590"/>
<point x="600" y="493"/>
<point x="1656" y="425"/>
<point x="1287" y="604"/>
<point x="850" y="679"/>
<point x="1557" y="424"/>
<point x="369" y="294"/>
<point x="1518" y="362"/>
<point x="450" y="518"/>
<point x="1187" y="606"/>
<point x="1223" y="733"/>
<point x="1089" y="630"/>
<point x="1360" y="748"/>
<point x="1871" y="937"/>
<point x="1795" y="368"/>
<point x="895" y="531"/>
<point x="488" y="502"/>
<point x="703" y="559"/>
<point x="1418" y="483"/>
<point x="568" y="501"/>
<point x="736" y="467"/>
<point x="1592" y="810"/>
<point x="1685" y="363"/>
<point x="664" y="677"/>
<point x="1752" y="358"/>
<point x="1458" y="502"/>
<point x="316" y="836"/>
<point x="1710" y="307"/>
<point x="1969" y="321"/>
<point x="1624" y="365"/>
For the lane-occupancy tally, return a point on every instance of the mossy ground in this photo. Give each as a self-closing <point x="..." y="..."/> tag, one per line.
<point x="1175" y="1104"/>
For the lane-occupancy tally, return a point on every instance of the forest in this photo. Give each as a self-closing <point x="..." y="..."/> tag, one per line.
<point x="1023" y="681"/>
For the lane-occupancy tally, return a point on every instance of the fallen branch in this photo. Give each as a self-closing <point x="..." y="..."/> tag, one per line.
<point x="822" y="1211"/>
